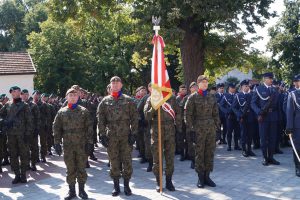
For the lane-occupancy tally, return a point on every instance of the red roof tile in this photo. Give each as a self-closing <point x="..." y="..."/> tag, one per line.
<point x="16" y="63"/>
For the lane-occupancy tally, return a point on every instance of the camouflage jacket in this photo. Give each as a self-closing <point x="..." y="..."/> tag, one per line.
<point x="151" y="114"/>
<point x="117" y="117"/>
<point x="45" y="115"/>
<point x="73" y="126"/>
<point x="22" y="122"/>
<point x="35" y="112"/>
<point x="201" y="111"/>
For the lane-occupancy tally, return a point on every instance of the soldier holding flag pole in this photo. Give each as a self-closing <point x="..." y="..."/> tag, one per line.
<point x="163" y="120"/>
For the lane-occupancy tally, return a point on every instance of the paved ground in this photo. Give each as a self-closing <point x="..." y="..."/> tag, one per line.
<point x="236" y="178"/>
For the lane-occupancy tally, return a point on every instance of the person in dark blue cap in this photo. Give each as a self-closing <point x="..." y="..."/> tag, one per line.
<point x="231" y="119"/>
<point x="245" y="116"/>
<point x="265" y="104"/>
<point x="221" y="134"/>
<point x="293" y="118"/>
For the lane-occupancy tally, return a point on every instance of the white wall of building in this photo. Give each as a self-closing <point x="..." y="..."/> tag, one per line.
<point x="237" y="74"/>
<point x="24" y="81"/>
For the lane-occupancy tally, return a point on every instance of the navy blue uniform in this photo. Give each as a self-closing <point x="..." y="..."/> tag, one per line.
<point x="293" y="123"/>
<point x="268" y="118"/>
<point x="231" y="120"/>
<point x="223" y="124"/>
<point x="245" y="115"/>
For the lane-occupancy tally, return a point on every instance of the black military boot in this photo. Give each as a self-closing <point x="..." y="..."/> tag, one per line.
<point x="182" y="156"/>
<point x="23" y="178"/>
<point x="127" y="189"/>
<point x="250" y="152"/>
<point x="1" y="170"/>
<point x="116" y="190"/>
<point x="87" y="165"/>
<point x="72" y="193"/>
<point x="157" y="184"/>
<point x="200" y="183"/>
<point x="150" y="165"/>
<point x="44" y="159"/>
<point x="82" y="194"/>
<point x="229" y="148"/>
<point x="169" y="184"/>
<point x="143" y="159"/>
<point x="192" y="163"/>
<point x="33" y="167"/>
<point x="265" y="161"/>
<point x="244" y="152"/>
<point x="272" y="161"/>
<point x="208" y="181"/>
<point x="17" y="178"/>
<point x="5" y="162"/>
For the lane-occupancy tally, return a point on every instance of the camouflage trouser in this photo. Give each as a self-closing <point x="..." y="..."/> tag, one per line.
<point x="75" y="159"/>
<point x="181" y="140"/>
<point x="140" y="141"/>
<point x="50" y="140"/>
<point x="18" y="149"/>
<point x="119" y="151"/>
<point x="34" y="149"/>
<point x="147" y="141"/>
<point x="205" y="147"/>
<point x="95" y="132"/>
<point x="5" y="147"/>
<point x="43" y="142"/>
<point x="168" y="146"/>
<point x="190" y="146"/>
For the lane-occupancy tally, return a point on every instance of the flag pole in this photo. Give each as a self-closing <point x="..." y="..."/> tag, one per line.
<point x="159" y="151"/>
<point x="156" y="28"/>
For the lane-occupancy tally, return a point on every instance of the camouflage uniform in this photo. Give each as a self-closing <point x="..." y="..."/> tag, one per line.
<point x="75" y="128"/>
<point x="1" y="143"/>
<point x="34" y="143"/>
<point x="18" y="135"/>
<point x="190" y="145"/>
<point x="202" y="116"/>
<point x="116" y="119"/>
<point x="167" y="136"/>
<point x="45" y="118"/>
<point x="181" y="136"/>
<point x="145" y="128"/>
<point x="50" y="138"/>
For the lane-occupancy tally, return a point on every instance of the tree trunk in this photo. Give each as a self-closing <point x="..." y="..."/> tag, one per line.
<point x="192" y="55"/>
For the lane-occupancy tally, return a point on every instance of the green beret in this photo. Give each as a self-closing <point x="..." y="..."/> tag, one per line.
<point x="45" y="95"/>
<point x="14" y="88"/>
<point x="24" y="91"/>
<point x="36" y="92"/>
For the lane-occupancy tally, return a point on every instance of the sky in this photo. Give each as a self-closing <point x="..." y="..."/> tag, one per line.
<point x="261" y="45"/>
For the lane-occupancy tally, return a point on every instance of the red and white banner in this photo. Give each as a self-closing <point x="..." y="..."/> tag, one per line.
<point x="161" y="88"/>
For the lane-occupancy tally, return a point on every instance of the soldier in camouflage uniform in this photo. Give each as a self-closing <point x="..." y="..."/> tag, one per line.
<point x="45" y="116"/>
<point x="33" y="141"/>
<point x="73" y="125"/>
<point x="190" y="146"/>
<point x="181" y="142"/>
<point x="146" y="129"/>
<point x="19" y="128"/>
<point x="142" y="91"/>
<point x="168" y="122"/>
<point x="3" y="145"/>
<point x="118" y="125"/>
<point x="50" y="137"/>
<point x="202" y="119"/>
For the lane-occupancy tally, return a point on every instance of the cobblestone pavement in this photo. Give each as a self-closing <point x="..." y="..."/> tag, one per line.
<point x="236" y="178"/>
